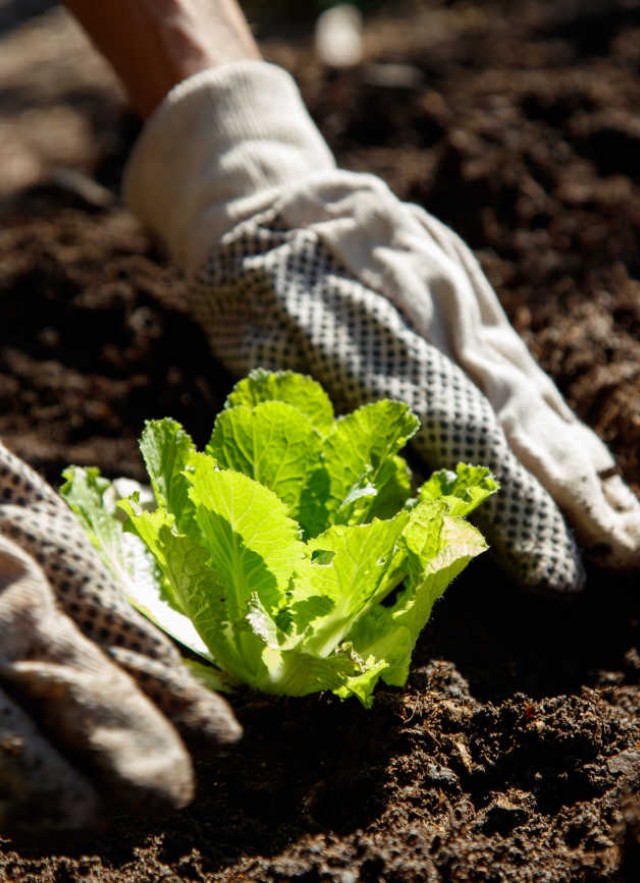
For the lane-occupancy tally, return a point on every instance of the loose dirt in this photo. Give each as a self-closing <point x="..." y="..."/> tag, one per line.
<point x="514" y="752"/>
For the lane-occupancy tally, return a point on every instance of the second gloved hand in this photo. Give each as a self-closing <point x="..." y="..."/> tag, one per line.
<point x="97" y="710"/>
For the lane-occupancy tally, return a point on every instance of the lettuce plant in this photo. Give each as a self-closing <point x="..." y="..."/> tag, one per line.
<point x="294" y="543"/>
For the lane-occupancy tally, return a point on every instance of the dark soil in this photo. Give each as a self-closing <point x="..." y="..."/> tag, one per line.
<point x="514" y="752"/>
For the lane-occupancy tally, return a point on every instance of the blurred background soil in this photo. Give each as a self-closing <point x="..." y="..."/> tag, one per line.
<point x="514" y="753"/>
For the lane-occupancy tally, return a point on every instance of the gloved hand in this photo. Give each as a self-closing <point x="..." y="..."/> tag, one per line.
<point x="295" y="264"/>
<point x="92" y="696"/>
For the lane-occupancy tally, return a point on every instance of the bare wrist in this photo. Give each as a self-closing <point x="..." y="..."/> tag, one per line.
<point x="155" y="44"/>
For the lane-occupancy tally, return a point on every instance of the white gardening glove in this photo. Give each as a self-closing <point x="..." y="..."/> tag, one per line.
<point x="294" y="264"/>
<point x="92" y="696"/>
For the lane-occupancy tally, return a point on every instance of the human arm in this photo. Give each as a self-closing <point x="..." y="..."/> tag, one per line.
<point x="155" y="44"/>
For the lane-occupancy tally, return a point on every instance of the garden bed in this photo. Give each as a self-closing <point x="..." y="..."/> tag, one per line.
<point x="514" y="752"/>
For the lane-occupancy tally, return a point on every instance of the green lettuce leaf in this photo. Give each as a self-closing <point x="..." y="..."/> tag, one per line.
<point x="297" y="390"/>
<point x="436" y="549"/>
<point x="463" y="490"/>
<point x="94" y="499"/>
<point x="277" y="445"/>
<point x="360" y="457"/>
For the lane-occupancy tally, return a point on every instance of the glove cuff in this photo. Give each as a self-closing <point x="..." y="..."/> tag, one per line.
<point x="217" y="150"/>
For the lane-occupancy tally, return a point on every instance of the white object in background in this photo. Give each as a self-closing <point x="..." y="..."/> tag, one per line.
<point x="338" y="36"/>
